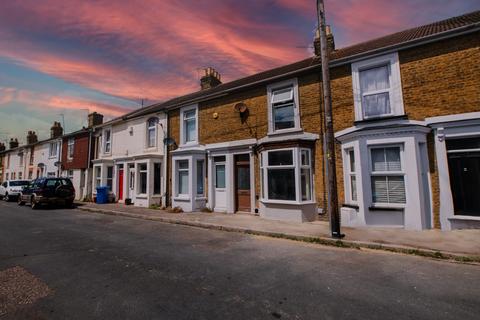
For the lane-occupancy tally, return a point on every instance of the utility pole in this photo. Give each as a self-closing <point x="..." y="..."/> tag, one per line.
<point x="332" y="204"/>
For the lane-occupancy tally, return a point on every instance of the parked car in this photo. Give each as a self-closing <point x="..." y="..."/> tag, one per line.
<point x="51" y="191"/>
<point x="10" y="190"/>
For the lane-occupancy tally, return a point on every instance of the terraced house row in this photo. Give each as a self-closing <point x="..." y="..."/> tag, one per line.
<point x="407" y="124"/>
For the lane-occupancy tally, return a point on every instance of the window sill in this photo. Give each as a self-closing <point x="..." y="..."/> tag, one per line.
<point x="141" y="196"/>
<point x="181" y="198"/>
<point x="288" y="202"/>
<point x="385" y="208"/>
<point x="381" y="119"/>
<point x="465" y="218"/>
<point x="285" y="131"/>
<point x="352" y="206"/>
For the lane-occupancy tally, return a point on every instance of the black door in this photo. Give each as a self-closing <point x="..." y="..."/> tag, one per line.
<point x="465" y="182"/>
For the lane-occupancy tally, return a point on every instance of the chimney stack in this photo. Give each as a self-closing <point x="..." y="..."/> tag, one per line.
<point x="13" y="143"/>
<point x="56" y="130"/>
<point x="211" y="79"/>
<point x="32" y="137"/>
<point x="330" y="42"/>
<point x="94" y="119"/>
<point x="2" y="147"/>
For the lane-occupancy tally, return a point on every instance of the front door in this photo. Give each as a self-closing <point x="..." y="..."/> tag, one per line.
<point x="242" y="183"/>
<point x="120" y="184"/>
<point x="464" y="170"/>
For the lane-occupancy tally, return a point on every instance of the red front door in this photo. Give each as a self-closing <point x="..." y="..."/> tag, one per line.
<point x="120" y="184"/>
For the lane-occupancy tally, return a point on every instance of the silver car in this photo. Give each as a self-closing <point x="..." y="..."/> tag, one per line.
<point x="10" y="190"/>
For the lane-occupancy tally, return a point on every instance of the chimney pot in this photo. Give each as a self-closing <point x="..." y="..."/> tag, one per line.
<point x="211" y="79"/>
<point x="94" y="119"/>
<point x="13" y="143"/>
<point x="330" y="41"/>
<point x="32" y="137"/>
<point x="56" y="130"/>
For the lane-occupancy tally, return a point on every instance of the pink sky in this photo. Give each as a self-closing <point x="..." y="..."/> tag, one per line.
<point x="108" y="55"/>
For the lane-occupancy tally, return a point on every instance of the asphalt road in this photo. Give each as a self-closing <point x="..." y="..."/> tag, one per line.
<point x="105" y="267"/>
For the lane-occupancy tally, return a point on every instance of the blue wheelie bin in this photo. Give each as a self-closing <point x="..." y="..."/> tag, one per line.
<point x="102" y="195"/>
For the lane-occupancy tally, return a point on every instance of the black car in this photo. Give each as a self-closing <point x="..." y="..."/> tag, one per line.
<point x="54" y="191"/>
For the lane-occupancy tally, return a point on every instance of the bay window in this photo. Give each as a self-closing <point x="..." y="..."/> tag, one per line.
<point x="182" y="177"/>
<point x="98" y="176"/>
<point x="387" y="176"/>
<point x="350" y="176"/>
<point x="110" y="177"/>
<point x="200" y="175"/>
<point x="286" y="175"/>
<point x="283" y="106"/>
<point x="157" y="178"/>
<point x="143" y="178"/>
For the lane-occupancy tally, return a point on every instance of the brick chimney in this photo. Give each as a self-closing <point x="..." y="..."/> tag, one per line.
<point x="2" y="147"/>
<point x="32" y="137"/>
<point x="330" y="41"/>
<point x="94" y="119"/>
<point x="13" y="143"/>
<point x="211" y="79"/>
<point x="56" y="130"/>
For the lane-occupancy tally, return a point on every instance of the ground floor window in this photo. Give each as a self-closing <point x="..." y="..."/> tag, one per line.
<point x="182" y="177"/>
<point x="157" y="178"/>
<point x="200" y="177"/>
<point x="98" y="176"/>
<point x="286" y="171"/>
<point x="142" y="177"/>
<point x="20" y="175"/>
<point x="350" y="176"/>
<point x="110" y="177"/>
<point x="387" y="176"/>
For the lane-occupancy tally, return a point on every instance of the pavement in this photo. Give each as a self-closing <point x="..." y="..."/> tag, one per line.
<point x="459" y="245"/>
<point x="84" y="265"/>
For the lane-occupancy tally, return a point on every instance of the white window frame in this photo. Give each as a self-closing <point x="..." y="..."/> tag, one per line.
<point x="395" y="90"/>
<point x="202" y="194"/>
<point x="20" y="160"/>
<point x="297" y="166"/>
<point x="219" y="163"/>
<point x="53" y="146"/>
<point x="150" y="128"/>
<point x="139" y="177"/>
<point x="348" y="174"/>
<point x="97" y="176"/>
<point x="70" y="148"/>
<point x="400" y="173"/>
<point x="184" y="110"/>
<point x="106" y="142"/>
<point x="177" y="178"/>
<point x="296" y="107"/>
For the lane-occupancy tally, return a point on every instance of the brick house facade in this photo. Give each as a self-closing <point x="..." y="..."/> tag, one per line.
<point x="423" y="80"/>
<point x="75" y="159"/>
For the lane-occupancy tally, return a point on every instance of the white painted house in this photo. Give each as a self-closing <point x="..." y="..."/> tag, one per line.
<point x="129" y="158"/>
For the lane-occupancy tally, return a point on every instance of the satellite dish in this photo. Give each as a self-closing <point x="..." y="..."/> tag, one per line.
<point x="241" y="107"/>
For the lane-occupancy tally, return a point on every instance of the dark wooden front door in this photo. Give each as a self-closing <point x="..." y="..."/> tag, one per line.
<point x="465" y="182"/>
<point x="242" y="183"/>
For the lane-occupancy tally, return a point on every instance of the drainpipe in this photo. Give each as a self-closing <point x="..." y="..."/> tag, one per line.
<point x="88" y="183"/>
<point x="165" y="163"/>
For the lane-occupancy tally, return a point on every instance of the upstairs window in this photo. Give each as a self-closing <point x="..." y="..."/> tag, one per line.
<point x="189" y="125"/>
<point x="152" y="132"/>
<point x="377" y="87"/>
<point x="283" y="106"/>
<point x="70" y="148"/>
<point x="52" y="150"/>
<point x="107" y="141"/>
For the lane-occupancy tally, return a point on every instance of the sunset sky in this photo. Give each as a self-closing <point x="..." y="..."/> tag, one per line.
<point x="74" y="56"/>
